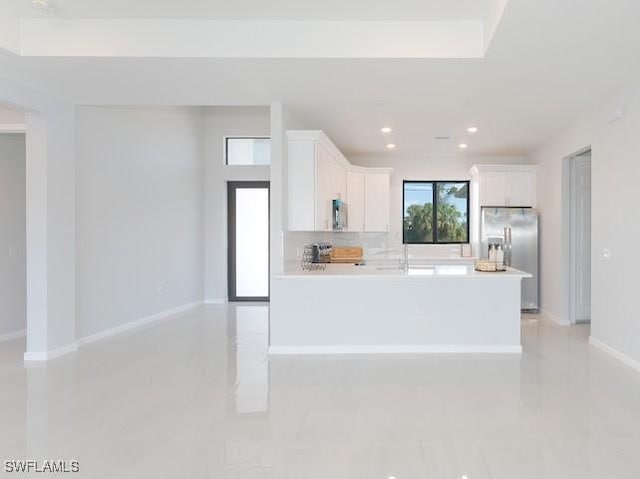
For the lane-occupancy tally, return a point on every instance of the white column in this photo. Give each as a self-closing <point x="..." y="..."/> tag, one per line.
<point x="51" y="221"/>
<point x="36" y="186"/>
<point x="51" y="238"/>
<point x="277" y="184"/>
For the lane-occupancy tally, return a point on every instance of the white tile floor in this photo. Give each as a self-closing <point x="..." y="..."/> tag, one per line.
<point x="197" y="397"/>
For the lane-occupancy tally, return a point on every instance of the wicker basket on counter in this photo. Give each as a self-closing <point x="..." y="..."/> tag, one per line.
<point x="487" y="266"/>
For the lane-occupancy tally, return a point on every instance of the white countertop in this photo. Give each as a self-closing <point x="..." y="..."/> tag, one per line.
<point x="437" y="271"/>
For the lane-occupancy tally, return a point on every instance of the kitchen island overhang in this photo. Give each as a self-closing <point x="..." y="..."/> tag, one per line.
<point x="439" y="309"/>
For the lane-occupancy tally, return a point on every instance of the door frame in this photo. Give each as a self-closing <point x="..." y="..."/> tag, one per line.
<point x="568" y="234"/>
<point x="573" y="278"/>
<point x="232" y="186"/>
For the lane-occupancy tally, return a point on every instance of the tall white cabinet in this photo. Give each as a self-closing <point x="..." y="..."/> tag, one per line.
<point x="318" y="173"/>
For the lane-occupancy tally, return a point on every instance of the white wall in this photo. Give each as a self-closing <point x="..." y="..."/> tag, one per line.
<point x="139" y="213"/>
<point x="615" y="171"/>
<point x="221" y="122"/>
<point x="13" y="240"/>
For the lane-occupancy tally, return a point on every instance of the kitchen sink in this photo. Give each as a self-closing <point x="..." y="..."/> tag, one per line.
<point x="401" y="267"/>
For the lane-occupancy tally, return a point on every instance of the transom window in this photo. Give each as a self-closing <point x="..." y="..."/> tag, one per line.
<point x="247" y="151"/>
<point x="435" y="212"/>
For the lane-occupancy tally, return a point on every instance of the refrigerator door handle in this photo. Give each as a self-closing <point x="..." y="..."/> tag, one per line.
<point x="509" y="245"/>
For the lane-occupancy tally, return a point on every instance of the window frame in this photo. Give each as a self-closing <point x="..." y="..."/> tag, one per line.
<point x="225" y="146"/>
<point x="435" y="212"/>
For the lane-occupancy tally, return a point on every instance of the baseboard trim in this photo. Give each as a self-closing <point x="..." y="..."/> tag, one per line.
<point x="107" y="333"/>
<point x="613" y="352"/>
<point x="215" y="301"/>
<point x="12" y="336"/>
<point x="53" y="354"/>
<point x="554" y="319"/>
<point x="396" y="349"/>
<point x="30" y="356"/>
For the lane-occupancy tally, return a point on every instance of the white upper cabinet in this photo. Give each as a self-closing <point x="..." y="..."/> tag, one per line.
<point x="500" y="185"/>
<point x="505" y="185"/>
<point x="325" y="189"/>
<point x="376" y="200"/>
<point x="521" y="187"/>
<point x="355" y="201"/>
<point x="492" y="186"/>
<point x="318" y="173"/>
<point x="302" y="185"/>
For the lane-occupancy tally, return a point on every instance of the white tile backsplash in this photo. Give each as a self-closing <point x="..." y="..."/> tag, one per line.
<point x="375" y="245"/>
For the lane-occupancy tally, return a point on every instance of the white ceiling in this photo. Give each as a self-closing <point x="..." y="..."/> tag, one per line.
<point x="259" y="9"/>
<point x="550" y="62"/>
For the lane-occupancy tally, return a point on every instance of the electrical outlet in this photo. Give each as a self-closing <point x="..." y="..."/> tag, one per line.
<point x="160" y="290"/>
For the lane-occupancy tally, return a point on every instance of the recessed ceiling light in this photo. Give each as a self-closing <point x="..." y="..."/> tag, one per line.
<point x="386" y="129"/>
<point x="472" y="129"/>
<point x="463" y="146"/>
<point x="390" y="146"/>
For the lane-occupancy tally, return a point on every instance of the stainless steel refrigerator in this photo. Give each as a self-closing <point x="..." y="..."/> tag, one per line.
<point x="516" y="229"/>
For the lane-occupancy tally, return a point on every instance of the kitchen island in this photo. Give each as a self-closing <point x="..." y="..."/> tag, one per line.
<point x="349" y="309"/>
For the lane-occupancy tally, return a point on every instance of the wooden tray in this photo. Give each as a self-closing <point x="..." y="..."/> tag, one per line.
<point x="346" y="255"/>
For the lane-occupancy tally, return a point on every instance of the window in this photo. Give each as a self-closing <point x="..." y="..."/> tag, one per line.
<point x="247" y="151"/>
<point x="435" y="212"/>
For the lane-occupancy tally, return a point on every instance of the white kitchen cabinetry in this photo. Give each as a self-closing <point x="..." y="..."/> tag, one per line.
<point x="301" y="208"/>
<point x="500" y="185"/>
<point x="330" y="184"/>
<point x="492" y="186"/>
<point x="521" y="187"/>
<point x="505" y="185"/>
<point x="376" y="200"/>
<point x="355" y="201"/>
<point x="318" y="173"/>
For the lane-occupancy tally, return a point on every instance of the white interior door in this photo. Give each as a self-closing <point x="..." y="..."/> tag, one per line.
<point x="248" y="241"/>
<point x="581" y="236"/>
